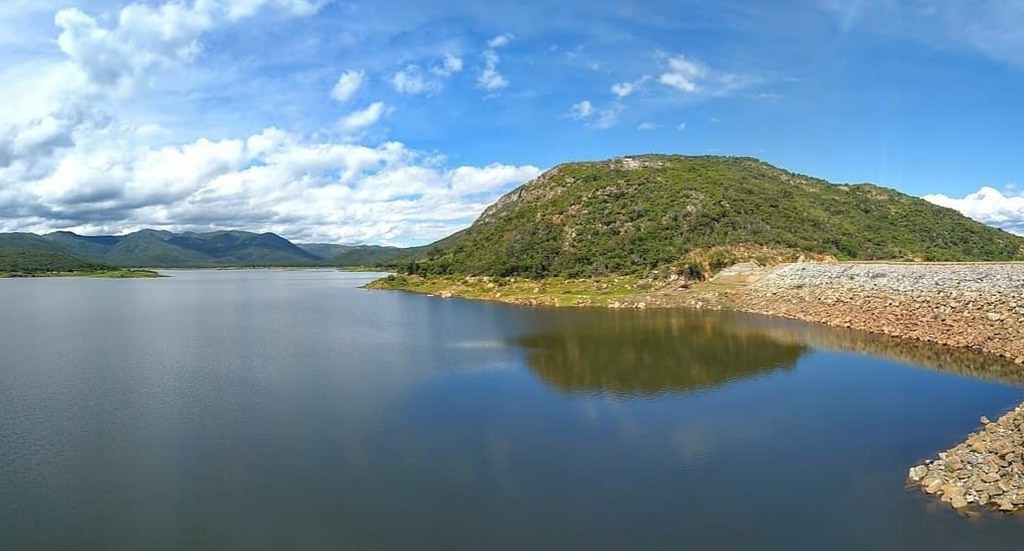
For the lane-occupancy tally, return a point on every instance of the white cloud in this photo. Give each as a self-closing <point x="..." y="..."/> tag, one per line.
<point x="626" y="89"/>
<point x="683" y="74"/>
<point x="411" y="80"/>
<point x="450" y="65"/>
<point x="78" y="153"/>
<point x="692" y="77"/>
<point x="581" y="110"/>
<point x="681" y="126"/>
<point x="490" y="79"/>
<point x="277" y="181"/>
<point x="594" y="117"/>
<point x="471" y="180"/>
<point x="362" y="119"/>
<point x="500" y="41"/>
<point x="988" y="206"/>
<point x="647" y="126"/>
<point x="348" y="84"/>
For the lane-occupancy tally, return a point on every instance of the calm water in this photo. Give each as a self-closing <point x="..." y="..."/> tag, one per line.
<point x="291" y="410"/>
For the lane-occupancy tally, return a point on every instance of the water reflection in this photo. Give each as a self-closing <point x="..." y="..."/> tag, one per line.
<point x="648" y="353"/>
<point x="653" y="353"/>
<point x="959" y="361"/>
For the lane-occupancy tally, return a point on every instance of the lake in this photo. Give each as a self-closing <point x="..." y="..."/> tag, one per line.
<point x="277" y="409"/>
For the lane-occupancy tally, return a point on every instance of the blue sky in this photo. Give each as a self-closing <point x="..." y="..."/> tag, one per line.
<point x="398" y="122"/>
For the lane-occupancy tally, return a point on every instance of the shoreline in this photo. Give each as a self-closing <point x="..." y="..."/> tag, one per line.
<point x="971" y="305"/>
<point x="977" y="308"/>
<point x="106" y="274"/>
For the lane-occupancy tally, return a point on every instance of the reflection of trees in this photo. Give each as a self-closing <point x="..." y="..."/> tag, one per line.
<point x="650" y="354"/>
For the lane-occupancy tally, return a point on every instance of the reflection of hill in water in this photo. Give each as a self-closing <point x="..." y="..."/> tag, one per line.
<point x="674" y="351"/>
<point x="623" y="353"/>
<point x="959" y="361"/>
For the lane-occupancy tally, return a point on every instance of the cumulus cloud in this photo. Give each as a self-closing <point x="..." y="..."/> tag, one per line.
<point x="647" y="126"/>
<point x="348" y="84"/>
<point x="70" y="158"/>
<point x="988" y="206"/>
<point x="146" y="35"/>
<point x="272" y="181"/>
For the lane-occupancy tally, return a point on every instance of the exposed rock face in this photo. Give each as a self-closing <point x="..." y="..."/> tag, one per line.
<point x="977" y="306"/>
<point x="986" y="470"/>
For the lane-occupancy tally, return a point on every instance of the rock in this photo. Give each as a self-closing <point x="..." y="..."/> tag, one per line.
<point x="445" y="294"/>
<point x="985" y="420"/>
<point x="917" y="473"/>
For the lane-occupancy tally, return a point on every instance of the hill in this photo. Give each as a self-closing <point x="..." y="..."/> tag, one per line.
<point x="215" y="249"/>
<point x="693" y="214"/>
<point x="27" y="262"/>
<point x="357" y="255"/>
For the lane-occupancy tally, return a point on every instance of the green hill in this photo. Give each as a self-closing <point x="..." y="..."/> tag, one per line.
<point x="632" y="215"/>
<point x="29" y="262"/>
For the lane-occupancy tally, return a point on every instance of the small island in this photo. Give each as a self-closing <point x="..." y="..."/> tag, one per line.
<point x="32" y="263"/>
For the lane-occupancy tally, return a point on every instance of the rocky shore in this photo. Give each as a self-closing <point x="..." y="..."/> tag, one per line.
<point x="985" y="470"/>
<point x="977" y="307"/>
<point x="974" y="306"/>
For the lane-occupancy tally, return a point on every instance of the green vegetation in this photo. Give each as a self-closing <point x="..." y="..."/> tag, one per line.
<point x="598" y="291"/>
<point x="30" y="263"/>
<point x="694" y="215"/>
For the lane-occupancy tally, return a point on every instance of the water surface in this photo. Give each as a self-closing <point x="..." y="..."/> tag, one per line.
<point x="290" y="409"/>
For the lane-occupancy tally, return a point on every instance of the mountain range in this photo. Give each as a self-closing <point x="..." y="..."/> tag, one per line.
<point x="163" y="249"/>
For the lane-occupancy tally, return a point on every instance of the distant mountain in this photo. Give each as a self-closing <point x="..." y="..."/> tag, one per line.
<point x="358" y="255"/>
<point x="162" y="249"/>
<point x="634" y="214"/>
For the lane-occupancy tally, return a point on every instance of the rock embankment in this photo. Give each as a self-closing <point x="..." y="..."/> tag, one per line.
<point x="986" y="470"/>
<point x="976" y="306"/>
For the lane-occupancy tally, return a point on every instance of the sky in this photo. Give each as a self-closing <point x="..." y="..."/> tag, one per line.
<point x="398" y="122"/>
